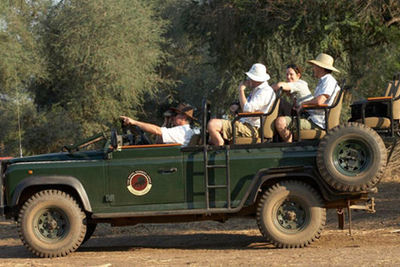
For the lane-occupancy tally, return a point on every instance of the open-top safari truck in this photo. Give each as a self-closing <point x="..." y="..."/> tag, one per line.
<point x="58" y="199"/>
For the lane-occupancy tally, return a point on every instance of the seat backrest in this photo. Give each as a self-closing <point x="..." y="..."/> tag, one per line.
<point x="270" y="120"/>
<point x="389" y="89"/>
<point x="396" y="102"/>
<point x="334" y="113"/>
<point x="333" y="118"/>
<point x="195" y="140"/>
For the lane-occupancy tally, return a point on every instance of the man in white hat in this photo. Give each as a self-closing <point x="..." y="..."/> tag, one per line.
<point x="181" y="133"/>
<point x="325" y="93"/>
<point x="260" y="99"/>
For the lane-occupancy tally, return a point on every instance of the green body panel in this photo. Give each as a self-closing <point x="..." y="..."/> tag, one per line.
<point x="87" y="167"/>
<point x="167" y="187"/>
<point x="244" y="165"/>
<point x="104" y="175"/>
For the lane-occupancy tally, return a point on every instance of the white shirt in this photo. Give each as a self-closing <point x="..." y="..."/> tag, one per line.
<point x="178" y="134"/>
<point x="260" y="100"/>
<point x="327" y="85"/>
<point x="300" y="90"/>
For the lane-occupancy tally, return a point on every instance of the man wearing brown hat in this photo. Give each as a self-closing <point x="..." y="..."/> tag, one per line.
<point x="181" y="133"/>
<point x="325" y="93"/>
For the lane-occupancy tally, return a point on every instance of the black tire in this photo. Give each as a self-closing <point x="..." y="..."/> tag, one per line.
<point x="291" y="215"/>
<point x="51" y="224"/>
<point x="352" y="157"/>
<point x="90" y="228"/>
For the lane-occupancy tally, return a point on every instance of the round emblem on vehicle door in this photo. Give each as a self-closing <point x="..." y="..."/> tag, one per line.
<point x="139" y="183"/>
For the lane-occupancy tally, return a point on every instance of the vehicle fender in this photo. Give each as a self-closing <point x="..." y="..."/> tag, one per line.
<point x="52" y="180"/>
<point x="273" y="176"/>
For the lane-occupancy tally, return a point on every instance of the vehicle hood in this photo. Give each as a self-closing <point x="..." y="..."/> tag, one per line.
<point x="61" y="156"/>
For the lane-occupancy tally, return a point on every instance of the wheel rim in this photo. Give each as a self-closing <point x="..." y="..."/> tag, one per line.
<point x="352" y="157"/>
<point x="51" y="224"/>
<point x="291" y="216"/>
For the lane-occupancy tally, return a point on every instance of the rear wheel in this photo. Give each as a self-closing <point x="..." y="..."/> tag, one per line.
<point x="291" y="215"/>
<point x="51" y="224"/>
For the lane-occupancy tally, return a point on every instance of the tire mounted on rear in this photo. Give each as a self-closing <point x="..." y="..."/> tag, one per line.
<point x="352" y="157"/>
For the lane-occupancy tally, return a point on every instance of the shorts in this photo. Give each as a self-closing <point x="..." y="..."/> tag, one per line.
<point x="241" y="129"/>
<point x="305" y="124"/>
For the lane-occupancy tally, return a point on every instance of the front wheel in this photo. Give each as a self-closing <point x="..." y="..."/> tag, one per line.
<point x="291" y="215"/>
<point x="51" y="224"/>
<point x="90" y="228"/>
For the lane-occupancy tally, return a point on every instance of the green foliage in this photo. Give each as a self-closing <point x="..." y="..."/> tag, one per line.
<point x="101" y="58"/>
<point x="74" y="66"/>
<point x="15" y="115"/>
<point x="50" y="131"/>
<point x="20" y="63"/>
<point x="241" y="32"/>
<point x="19" y="51"/>
<point x="185" y="67"/>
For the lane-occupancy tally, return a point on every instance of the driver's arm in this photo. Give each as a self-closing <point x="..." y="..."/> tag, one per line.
<point x="147" y="127"/>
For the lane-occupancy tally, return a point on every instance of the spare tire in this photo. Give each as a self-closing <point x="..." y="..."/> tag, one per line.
<point x="352" y="157"/>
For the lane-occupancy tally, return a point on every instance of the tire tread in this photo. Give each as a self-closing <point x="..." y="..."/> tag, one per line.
<point x="37" y="197"/>
<point x="267" y="194"/>
<point x="331" y="180"/>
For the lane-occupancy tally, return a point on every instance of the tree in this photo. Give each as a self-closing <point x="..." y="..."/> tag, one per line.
<point x="20" y="64"/>
<point x="241" y="32"/>
<point x="101" y="57"/>
<point x="186" y="66"/>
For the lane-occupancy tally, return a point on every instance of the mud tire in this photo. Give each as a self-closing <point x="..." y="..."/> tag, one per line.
<point x="291" y="215"/>
<point x="352" y="158"/>
<point x="51" y="224"/>
<point x="90" y="228"/>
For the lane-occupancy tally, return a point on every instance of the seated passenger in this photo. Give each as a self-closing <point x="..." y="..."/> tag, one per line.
<point x="325" y="93"/>
<point x="180" y="133"/>
<point x="296" y="87"/>
<point x="259" y="100"/>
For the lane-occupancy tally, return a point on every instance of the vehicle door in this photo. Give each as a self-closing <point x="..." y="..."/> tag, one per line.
<point x="143" y="177"/>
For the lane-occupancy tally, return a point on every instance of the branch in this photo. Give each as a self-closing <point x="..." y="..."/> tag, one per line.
<point x="392" y="21"/>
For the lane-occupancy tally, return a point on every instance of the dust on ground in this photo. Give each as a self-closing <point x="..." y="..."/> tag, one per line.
<point x="375" y="240"/>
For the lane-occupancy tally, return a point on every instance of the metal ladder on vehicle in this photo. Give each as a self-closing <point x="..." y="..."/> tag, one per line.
<point x="208" y="186"/>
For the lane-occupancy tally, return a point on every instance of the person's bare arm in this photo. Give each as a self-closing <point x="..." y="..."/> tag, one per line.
<point x="242" y="96"/>
<point x="285" y="86"/>
<point x="147" y="127"/>
<point x="319" y="100"/>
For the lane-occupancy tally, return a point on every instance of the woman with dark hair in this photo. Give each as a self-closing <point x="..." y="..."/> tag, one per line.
<point x="295" y="86"/>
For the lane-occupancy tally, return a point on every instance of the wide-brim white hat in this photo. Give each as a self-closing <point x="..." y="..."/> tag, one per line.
<point x="324" y="61"/>
<point x="258" y="73"/>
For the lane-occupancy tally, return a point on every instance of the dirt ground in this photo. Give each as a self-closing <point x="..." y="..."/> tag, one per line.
<point x="375" y="240"/>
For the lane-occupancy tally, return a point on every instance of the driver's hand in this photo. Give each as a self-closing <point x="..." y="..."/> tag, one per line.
<point x="127" y="120"/>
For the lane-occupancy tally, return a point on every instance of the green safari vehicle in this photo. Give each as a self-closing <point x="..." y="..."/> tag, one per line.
<point x="58" y="199"/>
